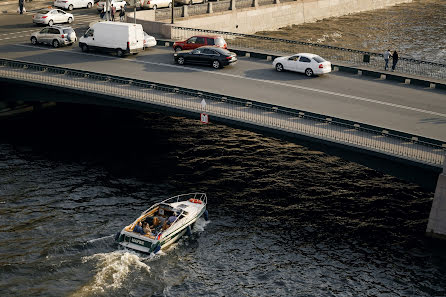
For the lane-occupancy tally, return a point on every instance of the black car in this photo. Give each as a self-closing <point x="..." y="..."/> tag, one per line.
<point x="206" y="55"/>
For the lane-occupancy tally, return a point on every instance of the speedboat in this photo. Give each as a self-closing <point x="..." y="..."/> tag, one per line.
<point x="163" y="223"/>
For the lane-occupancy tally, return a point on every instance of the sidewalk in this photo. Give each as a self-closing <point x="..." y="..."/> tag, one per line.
<point x="10" y="6"/>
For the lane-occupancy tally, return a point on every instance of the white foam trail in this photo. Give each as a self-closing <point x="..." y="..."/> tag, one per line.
<point x="111" y="271"/>
<point x="101" y="238"/>
<point x="200" y="224"/>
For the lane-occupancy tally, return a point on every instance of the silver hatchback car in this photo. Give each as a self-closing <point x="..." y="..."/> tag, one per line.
<point x="55" y="35"/>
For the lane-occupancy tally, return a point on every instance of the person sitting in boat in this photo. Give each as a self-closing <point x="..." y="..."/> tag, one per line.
<point x="146" y="228"/>
<point x="138" y="228"/>
<point x="170" y="220"/>
<point x="154" y="223"/>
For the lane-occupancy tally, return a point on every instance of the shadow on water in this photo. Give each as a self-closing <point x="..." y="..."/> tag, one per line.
<point x="289" y="211"/>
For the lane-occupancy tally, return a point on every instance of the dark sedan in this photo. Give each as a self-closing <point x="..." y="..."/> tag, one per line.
<point x="206" y="55"/>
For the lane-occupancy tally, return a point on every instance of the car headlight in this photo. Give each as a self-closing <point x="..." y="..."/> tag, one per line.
<point x="175" y="55"/>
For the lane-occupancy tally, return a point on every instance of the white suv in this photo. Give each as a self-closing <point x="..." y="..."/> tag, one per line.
<point x="55" y="35"/>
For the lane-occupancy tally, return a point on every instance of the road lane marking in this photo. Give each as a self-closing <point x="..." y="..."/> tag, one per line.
<point x="358" y="98"/>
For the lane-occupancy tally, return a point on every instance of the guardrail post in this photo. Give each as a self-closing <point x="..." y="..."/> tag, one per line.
<point x="184" y="12"/>
<point x="436" y="226"/>
<point x="232" y="6"/>
<point x="255" y="3"/>
<point x="210" y="10"/>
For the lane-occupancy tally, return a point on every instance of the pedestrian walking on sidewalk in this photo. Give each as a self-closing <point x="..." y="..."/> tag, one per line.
<point x="386" y="59"/>
<point x="122" y="14"/>
<point x="113" y="11"/>
<point x="21" y="6"/>
<point x="102" y="15"/>
<point x="394" y="59"/>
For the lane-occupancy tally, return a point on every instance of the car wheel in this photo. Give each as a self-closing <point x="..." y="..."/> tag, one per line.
<point x="50" y="22"/>
<point x="55" y="43"/>
<point x="180" y="60"/>
<point x="84" y="48"/>
<point x="70" y="7"/>
<point x="216" y="64"/>
<point x="33" y="40"/>
<point x="89" y="5"/>
<point x="308" y="72"/>
<point x="279" y="67"/>
<point x="70" y="20"/>
<point x="154" y="7"/>
<point x="119" y="53"/>
<point x="178" y="49"/>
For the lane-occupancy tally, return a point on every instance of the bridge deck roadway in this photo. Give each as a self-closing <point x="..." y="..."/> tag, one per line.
<point x="386" y="104"/>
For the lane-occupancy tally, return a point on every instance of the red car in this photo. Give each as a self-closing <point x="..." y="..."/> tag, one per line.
<point x="199" y="40"/>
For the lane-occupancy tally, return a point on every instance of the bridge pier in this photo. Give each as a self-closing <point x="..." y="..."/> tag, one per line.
<point x="436" y="227"/>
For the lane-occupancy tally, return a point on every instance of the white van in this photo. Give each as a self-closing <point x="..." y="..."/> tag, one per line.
<point x="114" y="37"/>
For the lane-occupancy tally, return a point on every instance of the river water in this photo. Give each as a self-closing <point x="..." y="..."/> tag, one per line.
<point x="416" y="30"/>
<point x="285" y="219"/>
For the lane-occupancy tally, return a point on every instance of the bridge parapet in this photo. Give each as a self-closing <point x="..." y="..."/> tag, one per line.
<point x="296" y="123"/>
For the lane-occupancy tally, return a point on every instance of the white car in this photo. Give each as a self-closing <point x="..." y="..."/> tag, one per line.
<point x="55" y="35"/>
<point x="310" y="64"/>
<point x="116" y="3"/>
<point x="50" y="16"/>
<point x="149" y="41"/>
<point x="154" y="4"/>
<point x="70" y="4"/>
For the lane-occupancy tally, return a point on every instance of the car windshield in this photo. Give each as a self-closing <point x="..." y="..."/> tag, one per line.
<point x="67" y="30"/>
<point x="219" y="41"/>
<point x="44" y="11"/>
<point x="318" y="59"/>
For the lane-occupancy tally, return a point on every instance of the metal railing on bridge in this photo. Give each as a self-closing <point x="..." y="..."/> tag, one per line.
<point x="244" y="111"/>
<point x="279" y="46"/>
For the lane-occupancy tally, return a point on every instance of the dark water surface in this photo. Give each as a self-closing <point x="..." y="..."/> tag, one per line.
<point x="286" y="220"/>
<point x="416" y="30"/>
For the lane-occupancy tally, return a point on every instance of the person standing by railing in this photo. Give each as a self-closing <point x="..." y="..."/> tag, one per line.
<point x="394" y="59"/>
<point x="386" y="58"/>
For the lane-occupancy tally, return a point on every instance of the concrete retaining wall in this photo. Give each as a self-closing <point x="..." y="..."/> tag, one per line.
<point x="263" y="18"/>
<point x="275" y="16"/>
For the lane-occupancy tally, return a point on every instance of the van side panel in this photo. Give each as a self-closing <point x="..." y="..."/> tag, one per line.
<point x="110" y="36"/>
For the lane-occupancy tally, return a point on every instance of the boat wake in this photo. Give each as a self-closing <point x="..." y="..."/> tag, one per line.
<point x="200" y="224"/>
<point x="111" y="271"/>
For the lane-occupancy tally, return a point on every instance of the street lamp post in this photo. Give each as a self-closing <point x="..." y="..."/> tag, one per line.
<point x="134" y="11"/>
<point x="173" y="4"/>
<point x="107" y="7"/>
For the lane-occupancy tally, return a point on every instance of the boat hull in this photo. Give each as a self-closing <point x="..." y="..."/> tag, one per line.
<point x="141" y="243"/>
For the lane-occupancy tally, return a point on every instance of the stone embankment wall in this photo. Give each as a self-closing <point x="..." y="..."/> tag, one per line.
<point x="275" y="16"/>
<point x="266" y="17"/>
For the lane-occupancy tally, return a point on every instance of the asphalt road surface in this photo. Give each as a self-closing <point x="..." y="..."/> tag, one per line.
<point x="391" y="105"/>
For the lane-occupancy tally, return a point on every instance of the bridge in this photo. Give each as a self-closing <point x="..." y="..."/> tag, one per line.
<point x="371" y="115"/>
